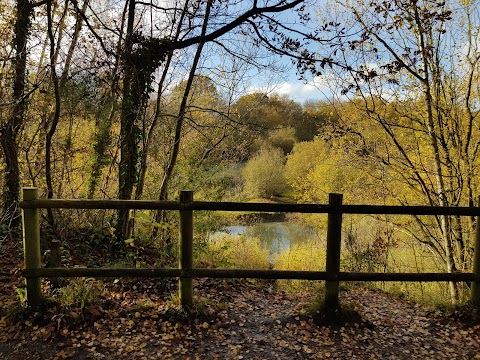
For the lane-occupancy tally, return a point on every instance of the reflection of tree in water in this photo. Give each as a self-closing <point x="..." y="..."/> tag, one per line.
<point x="272" y="236"/>
<point x="277" y="237"/>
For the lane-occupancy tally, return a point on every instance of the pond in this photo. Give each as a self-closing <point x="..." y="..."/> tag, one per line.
<point x="275" y="237"/>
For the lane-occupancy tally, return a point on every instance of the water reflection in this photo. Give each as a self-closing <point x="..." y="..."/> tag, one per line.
<point x="275" y="237"/>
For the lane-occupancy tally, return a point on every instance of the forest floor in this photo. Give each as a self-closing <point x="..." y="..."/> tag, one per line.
<point x="237" y="319"/>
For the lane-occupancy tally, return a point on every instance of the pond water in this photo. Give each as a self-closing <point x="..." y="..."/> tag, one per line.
<point x="275" y="237"/>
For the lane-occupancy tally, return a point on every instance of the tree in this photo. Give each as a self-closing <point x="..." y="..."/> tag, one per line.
<point x="265" y="112"/>
<point x="326" y="165"/>
<point x="11" y="127"/>
<point x="413" y="82"/>
<point x="144" y="54"/>
<point x="108" y="106"/>
<point x="126" y="55"/>
<point x="264" y="174"/>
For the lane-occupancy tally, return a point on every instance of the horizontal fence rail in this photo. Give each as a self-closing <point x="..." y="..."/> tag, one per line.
<point x="251" y="274"/>
<point x="253" y="207"/>
<point x="33" y="272"/>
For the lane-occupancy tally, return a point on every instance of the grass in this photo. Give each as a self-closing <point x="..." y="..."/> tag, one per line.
<point x="233" y="251"/>
<point x="405" y="257"/>
<point x="412" y="258"/>
<point x="307" y="256"/>
<point x="246" y="253"/>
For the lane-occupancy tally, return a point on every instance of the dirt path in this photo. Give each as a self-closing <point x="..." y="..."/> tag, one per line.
<point x="246" y="322"/>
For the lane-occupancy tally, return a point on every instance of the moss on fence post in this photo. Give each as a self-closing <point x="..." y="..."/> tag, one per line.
<point x="31" y="246"/>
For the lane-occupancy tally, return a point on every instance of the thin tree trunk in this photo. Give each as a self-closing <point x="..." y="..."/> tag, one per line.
<point x="157" y="113"/>
<point x="10" y="131"/>
<point x="56" y="115"/>
<point x="102" y="138"/>
<point x="60" y="27"/>
<point x="73" y="44"/>
<point x="163" y="193"/>
<point x="441" y="191"/>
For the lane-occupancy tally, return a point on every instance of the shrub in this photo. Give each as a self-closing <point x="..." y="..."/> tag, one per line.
<point x="264" y="174"/>
<point x="235" y="251"/>
<point x="283" y="138"/>
<point x="307" y="256"/>
<point x="78" y="293"/>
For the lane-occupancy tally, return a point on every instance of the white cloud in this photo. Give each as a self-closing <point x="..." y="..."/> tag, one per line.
<point x="299" y="91"/>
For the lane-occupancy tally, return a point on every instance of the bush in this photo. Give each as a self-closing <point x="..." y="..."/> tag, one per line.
<point x="283" y="138"/>
<point x="308" y="256"/>
<point x="234" y="251"/>
<point x="78" y="293"/>
<point x="264" y="174"/>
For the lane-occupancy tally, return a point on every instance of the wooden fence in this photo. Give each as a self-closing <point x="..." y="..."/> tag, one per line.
<point x="33" y="272"/>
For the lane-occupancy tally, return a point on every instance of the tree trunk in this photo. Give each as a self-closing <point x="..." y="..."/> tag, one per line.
<point x="163" y="193"/>
<point x="157" y="113"/>
<point x="55" y="116"/>
<point x="104" y="123"/>
<point x="439" y="177"/>
<point x="73" y="44"/>
<point x="128" y="135"/>
<point x="11" y="194"/>
<point x="9" y="132"/>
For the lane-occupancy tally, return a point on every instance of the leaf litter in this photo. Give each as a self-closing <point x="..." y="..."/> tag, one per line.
<point x="240" y="320"/>
<point x="232" y="319"/>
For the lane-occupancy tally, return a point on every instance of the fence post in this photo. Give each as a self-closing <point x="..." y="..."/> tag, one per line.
<point x="31" y="246"/>
<point x="186" y="251"/>
<point x="334" y="237"/>
<point x="475" y="288"/>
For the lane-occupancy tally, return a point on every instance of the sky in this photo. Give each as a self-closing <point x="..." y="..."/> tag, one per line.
<point x="279" y="76"/>
<point x="288" y="82"/>
<point x="297" y="90"/>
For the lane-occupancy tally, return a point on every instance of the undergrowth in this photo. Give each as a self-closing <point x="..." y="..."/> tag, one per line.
<point x="232" y="251"/>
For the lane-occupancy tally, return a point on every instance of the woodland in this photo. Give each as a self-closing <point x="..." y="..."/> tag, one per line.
<point x="136" y="100"/>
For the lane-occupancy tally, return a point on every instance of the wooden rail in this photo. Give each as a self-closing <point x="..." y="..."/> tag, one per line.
<point x="186" y="206"/>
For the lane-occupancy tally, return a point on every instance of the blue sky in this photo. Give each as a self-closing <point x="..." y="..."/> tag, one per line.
<point x="278" y="76"/>
<point x="287" y="82"/>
